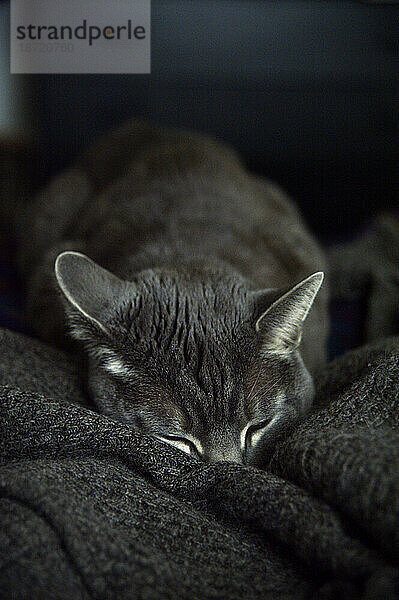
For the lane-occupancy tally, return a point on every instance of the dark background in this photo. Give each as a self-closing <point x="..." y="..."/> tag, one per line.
<point x="307" y="91"/>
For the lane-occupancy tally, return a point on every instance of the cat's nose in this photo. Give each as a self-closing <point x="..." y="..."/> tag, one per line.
<point x="227" y="454"/>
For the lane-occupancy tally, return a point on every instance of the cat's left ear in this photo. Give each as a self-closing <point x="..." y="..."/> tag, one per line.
<point x="281" y="324"/>
<point x="91" y="291"/>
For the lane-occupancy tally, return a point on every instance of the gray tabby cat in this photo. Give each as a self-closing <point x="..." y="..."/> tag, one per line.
<point x="188" y="280"/>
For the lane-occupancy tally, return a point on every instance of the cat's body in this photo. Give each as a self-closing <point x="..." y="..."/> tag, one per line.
<point x="203" y="245"/>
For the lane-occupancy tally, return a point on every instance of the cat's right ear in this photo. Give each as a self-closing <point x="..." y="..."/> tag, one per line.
<point x="91" y="292"/>
<point x="280" y="326"/>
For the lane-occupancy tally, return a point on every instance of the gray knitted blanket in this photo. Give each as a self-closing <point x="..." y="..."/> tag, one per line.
<point x="91" y="509"/>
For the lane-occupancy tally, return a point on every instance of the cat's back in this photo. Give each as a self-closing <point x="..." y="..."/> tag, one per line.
<point x="142" y="177"/>
<point x="154" y="185"/>
<point x="152" y="152"/>
<point x="143" y="185"/>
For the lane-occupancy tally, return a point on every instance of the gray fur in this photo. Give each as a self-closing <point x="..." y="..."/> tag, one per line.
<point x="193" y="250"/>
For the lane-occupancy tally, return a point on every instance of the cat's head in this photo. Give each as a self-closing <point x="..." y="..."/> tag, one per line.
<point x="196" y="359"/>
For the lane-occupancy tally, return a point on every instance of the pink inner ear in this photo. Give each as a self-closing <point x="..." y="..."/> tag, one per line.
<point x="281" y="324"/>
<point x="280" y="337"/>
<point x="292" y="339"/>
<point x="89" y="288"/>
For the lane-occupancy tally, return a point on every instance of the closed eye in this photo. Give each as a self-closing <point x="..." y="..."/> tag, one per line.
<point x="190" y="444"/>
<point x="252" y="433"/>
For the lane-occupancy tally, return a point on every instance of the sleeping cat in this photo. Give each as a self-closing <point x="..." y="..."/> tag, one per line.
<point x="188" y="281"/>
